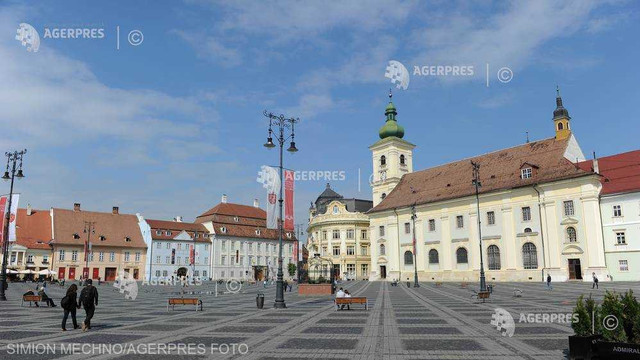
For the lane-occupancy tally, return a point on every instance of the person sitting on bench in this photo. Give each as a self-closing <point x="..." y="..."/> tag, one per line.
<point x="340" y="294"/>
<point x="347" y="294"/>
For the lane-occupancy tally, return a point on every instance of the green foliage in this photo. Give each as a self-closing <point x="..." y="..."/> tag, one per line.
<point x="292" y="269"/>
<point x="612" y="306"/>
<point x="631" y="316"/>
<point x="584" y="310"/>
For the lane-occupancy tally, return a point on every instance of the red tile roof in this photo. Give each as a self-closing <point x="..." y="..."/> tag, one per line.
<point x="620" y="172"/>
<point x="33" y="231"/>
<point x="177" y="227"/>
<point x="499" y="170"/>
<point x="115" y="228"/>
<point x="241" y="221"/>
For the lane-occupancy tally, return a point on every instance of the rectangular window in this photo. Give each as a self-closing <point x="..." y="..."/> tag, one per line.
<point x="179" y="260"/>
<point x="336" y="234"/>
<point x="526" y="213"/>
<point x="157" y="259"/>
<point x="168" y="233"/>
<point x="126" y="256"/>
<point x="336" y="250"/>
<point x="112" y="257"/>
<point x="351" y="269"/>
<point x="568" y="208"/>
<point x="407" y="228"/>
<point x="61" y="255"/>
<point x="168" y="259"/>
<point x="617" y="210"/>
<point x="157" y="273"/>
<point x="381" y="229"/>
<point x="365" y="269"/>
<point x="101" y="256"/>
<point x="224" y="245"/>
<point x="223" y="260"/>
<point x="45" y="259"/>
<point x="351" y="250"/>
<point x="204" y="273"/>
<point x="620" y="238"/>
<point x="364" y="250"/>
<point x="168" y="245"/>
<point x="164" y="273"/>
<point x="179" y="246"/>
<point x="525" y="173"/>
<point x="624" y="265"/>
<point x="206" y="261"/>
<point x="137" y="256"/>
<point x="491" y="218"/>
<point x="432" y="224"/>
<point x="324" y="250"/>
<point x="159" y="245"/>
<point x="350" y="234"/>
<point x="459" y="221"/>
<point x="363" y="234"/>
<point x="74" y="255"/>
<point x="324" y="235"/>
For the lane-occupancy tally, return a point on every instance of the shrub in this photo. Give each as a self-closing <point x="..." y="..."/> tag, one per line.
<point x="612" y="306"/>
<point x="584" y="309"/>
<point x="630" y="316"/>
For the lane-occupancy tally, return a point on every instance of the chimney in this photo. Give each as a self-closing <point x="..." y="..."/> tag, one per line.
<point x="115" y="210"/>
<point x="596" y="167"/>
<point x="177" y="219"/>
<point x="224" y="198"/>
<point x="76" y="207"/>
<point x="29" y="210"/>
<point x="256" y="203"/>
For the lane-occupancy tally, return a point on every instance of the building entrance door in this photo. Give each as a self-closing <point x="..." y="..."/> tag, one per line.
<point x="72" y="273"/>
<point x="575" y="271"/>
<point x="383" y="271"/>
<point x="110" y="274"/>
<point x="96" y="273"/>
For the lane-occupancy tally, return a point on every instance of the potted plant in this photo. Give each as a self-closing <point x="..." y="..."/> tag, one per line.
<point x="620" y="327"/>
<point x="586" y="327"/>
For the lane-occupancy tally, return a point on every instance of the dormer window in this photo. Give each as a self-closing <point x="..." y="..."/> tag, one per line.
<point x="402" y="161"/>
<point x="526" y="173"/>
<point x="384" y="195"/>
<point x="127" y="239"/>
<point x="158" y="232"/>
<point x="102" y="238"/>
<point x="289" y="235"/>
<point x="235" y="219"/>
<point x="76" y="236"/>
<point x="258" y="232"/>
<point x="383" y="160"/>
<point x="168" y="233"/>
<point x="223" y="229"/>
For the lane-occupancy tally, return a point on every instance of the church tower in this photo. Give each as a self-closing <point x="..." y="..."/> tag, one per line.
<point x="392" y="156"/>
<point x="561" y="119"/>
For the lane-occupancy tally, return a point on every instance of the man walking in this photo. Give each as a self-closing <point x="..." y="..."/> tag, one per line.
<point x="549" y="282"/>
<point x="88" y="300"/>
<point x="595" y="281"/>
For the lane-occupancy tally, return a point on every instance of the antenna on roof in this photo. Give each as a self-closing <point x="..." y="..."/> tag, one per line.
<point x="527" y="137"/>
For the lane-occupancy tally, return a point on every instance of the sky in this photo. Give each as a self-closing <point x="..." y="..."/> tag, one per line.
<point x="167" y="126"/>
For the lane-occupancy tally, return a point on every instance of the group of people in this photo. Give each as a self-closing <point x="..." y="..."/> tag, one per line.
<point x="88" y="300"/>
<point x="343" y="294"/>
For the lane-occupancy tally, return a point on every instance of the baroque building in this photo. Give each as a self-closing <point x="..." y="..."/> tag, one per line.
<point x="339" y="231"/>
<point x="539" y="211"/>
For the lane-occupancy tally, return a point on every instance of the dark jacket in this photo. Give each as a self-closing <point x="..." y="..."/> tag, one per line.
<point x="89" y="296"/>
<point x="70" y="301"/>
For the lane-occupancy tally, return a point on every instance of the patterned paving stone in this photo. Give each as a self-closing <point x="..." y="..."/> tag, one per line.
<point x="429" y="330"/>
<point x="432" y="345"/>
<point x="318" y="344"/>
<point x="352" y="330"/>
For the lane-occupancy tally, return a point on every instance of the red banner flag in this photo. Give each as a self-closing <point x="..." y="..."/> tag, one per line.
<point x="3" y="214"/>
<point x="288" y="200"/>
<point x="192" y="255"/>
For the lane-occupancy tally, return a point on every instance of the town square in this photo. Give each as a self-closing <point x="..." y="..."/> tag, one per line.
<point x="320" y="180"/>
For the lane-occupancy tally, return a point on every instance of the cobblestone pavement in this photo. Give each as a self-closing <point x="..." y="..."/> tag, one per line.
<point x="430" y="322"/>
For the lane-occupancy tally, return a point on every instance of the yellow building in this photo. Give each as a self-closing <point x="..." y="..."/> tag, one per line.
<point x="538" y="212"/>
<point x="339" y="231"/>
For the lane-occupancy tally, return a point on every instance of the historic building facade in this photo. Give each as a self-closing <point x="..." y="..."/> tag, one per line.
<point x="539" y="212"/>
<point x="620" y="209"/>
<point x="339" y="231"/>
<point x="242" y="247"/>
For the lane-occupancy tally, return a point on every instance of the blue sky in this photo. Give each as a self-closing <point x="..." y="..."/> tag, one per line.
<point x="166" y="127"/>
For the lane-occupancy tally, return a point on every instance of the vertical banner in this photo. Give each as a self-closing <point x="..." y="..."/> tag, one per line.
<point x="295" y="251"/>
<point x="270" y="180"/>
<point x="288" y="200"/>
<point x="3" y="214"/>
<point x="14" y="215"/>
<point x="192" y="255"/>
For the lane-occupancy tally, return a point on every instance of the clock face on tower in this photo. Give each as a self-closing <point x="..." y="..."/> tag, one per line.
<point x="383" y="175"/>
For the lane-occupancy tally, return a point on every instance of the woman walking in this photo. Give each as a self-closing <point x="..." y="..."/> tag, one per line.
<point x="70" y="303"/>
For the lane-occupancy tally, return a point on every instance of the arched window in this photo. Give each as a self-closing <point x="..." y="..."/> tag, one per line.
<point x="529" y="256"/>
<point x="527" y="230"/>
<point x="382" y="249"/>
<point x="402" y="160"/>
<point x="571" y="234"/>
<point x="493" y="254"/>
<point x="433" y="256"/>
<point x="383" y="160"/>
<point x="384" y="195"/>
<point x="560" y="126"/>
<point x="335" y="209"/>
<point x="408" y="258"/>
<point x="461" y="256"/>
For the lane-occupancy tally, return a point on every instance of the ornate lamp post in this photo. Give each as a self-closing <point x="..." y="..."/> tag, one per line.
<point x="477" y="184"/>
<point x="89" y="228"/>
<point x="281" y="123"/>
<point x="415" y="257"/>
<point x="13" y="158"/>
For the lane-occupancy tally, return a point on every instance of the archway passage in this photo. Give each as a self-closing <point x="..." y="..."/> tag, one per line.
<point x="182" y="272"/>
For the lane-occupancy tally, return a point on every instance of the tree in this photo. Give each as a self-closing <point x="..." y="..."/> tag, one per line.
<point x="613" y="317"/>
<point x="292" y="269"/>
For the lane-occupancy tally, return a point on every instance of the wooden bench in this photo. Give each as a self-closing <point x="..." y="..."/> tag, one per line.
<point x="352" y="300"/>
<point x="438" y="284"/>
<point x="184" y="301"/>
<point x="31" y="298"/>
<point x="484" y="295"/>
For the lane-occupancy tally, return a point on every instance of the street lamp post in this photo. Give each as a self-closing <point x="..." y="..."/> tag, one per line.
<point x="281" y="123"/>
<point x="89" y="228"/>
<point x="15" y="159"/>
<point x="415" y="257"/>
<point x="477" y="184"/>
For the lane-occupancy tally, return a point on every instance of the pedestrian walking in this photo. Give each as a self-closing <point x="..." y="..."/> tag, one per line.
<point x="549" y="282"/>
<point x="595" y="281"/>
<point x="69" y="304"/>
<point x="88" y="300"/>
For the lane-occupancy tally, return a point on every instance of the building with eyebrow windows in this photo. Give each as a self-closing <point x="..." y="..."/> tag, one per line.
<point x="539" y="211"/>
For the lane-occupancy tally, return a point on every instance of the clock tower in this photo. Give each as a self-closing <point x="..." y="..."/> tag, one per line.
<point x="392" y="156"/>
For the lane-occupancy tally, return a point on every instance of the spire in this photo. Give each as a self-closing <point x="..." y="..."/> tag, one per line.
<point x="561" y="118"/>
<point x="560" y="111"/>
<point x="391" y="127"/>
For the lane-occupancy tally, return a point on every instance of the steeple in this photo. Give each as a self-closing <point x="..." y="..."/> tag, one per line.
<point x="391" y="127"/>
<point x="561" y="118"/>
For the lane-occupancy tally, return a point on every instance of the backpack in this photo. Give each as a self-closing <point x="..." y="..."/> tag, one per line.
<point x="67" y="302"/>
<point x="87" y="296"/>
